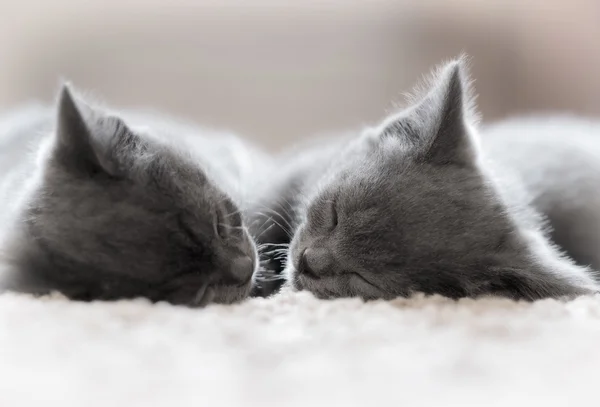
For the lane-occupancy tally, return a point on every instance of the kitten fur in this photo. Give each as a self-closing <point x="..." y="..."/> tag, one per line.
<point x="98" y="204"/>
<point x="423" y="203"/>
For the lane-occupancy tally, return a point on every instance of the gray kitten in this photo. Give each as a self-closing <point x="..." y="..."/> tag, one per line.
<point x="112" y="206"/>
<point x="416" y="205"/>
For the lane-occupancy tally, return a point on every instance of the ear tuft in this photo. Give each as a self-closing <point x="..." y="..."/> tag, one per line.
<point x="443" y="111"/>
<point x="73" y="135"/>
<point x="454" y="71"/>
<point x="66" y="100"/>
<point x="439" y="121"/>
<point x="71" y="125"/>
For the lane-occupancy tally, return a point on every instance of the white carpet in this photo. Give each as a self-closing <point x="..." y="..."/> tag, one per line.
<point x="294" y="350"/>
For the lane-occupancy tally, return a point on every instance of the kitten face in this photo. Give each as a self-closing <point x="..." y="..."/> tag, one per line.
<point x="406" y="209"/>
<point x="118" y="213"/>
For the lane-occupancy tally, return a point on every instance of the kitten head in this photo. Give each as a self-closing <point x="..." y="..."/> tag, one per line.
<point x="119" y="212"/>
<point x="407" y="209"/>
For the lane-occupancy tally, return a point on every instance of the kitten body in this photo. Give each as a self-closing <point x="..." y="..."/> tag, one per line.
<point x="425" y="202"/>
<point x="98" y="204"/>
<point x="556" y="162"/>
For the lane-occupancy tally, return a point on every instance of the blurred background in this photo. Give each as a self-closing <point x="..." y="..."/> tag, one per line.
<point x="279" y="71"/>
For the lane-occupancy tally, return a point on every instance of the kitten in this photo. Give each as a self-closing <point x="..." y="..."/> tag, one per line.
<point x="117" y="205"/>
<point x="417" y="205"/>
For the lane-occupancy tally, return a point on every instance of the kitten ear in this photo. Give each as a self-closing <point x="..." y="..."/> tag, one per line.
<point x="438" y="121"/>
<point x="73" y="138"/>
<point x="88" y="139"/>
<point x="444" y="114"/>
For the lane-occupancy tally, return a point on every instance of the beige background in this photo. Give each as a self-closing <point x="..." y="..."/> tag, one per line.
<point x="277" y="71"/>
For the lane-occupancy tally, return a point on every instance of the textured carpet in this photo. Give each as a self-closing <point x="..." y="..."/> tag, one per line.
<point x="294" y="350"/>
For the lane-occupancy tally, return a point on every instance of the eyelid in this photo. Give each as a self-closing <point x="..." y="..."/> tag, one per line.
<point x="189" y="232"/>
<point x="221" y="226"/>
<point x="334" y="213"/>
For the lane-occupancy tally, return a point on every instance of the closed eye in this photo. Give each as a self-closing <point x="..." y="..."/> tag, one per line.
<point x="220" y="225"/>
<point x="323" y="214"/>
<point x="334" y="216"/>
<point x="189" y="233"/>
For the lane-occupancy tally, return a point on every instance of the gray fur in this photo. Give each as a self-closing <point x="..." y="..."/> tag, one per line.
<point x="416" y="205"/>
<point x="558" y="160"/>
<point x="104" y="208"/>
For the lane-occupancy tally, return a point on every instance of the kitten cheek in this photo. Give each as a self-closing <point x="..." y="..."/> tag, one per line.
<point x="228" y="294"/>
<point x="361" y="288"/>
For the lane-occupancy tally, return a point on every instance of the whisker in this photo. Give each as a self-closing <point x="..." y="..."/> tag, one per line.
<point x="285" y="212"/>
<point x="278" y="244"/>
<point x="273" y="247"/>
<point x="230" y="226"/>
<point x="239" y="211"/>
<point x="273" y="214"/>
<point x="285" y="230"/>
<point x="257" y="237"/>
<point x="286" y="208"/>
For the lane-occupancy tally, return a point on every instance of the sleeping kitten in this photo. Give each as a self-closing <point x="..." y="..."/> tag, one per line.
<point x="416" y="205"/>
<point x="116" y="206"/>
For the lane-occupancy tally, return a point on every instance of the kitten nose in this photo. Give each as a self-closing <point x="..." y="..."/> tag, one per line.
<point x="314" y="261"/>
<point x="242" y="268"/>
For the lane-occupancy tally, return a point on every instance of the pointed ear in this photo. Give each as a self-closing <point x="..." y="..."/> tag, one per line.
<point x="88" y="139"/>
<point x="444" y="113"/>
<point x="73" y="138"/>
<point x="437" y="123"/>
